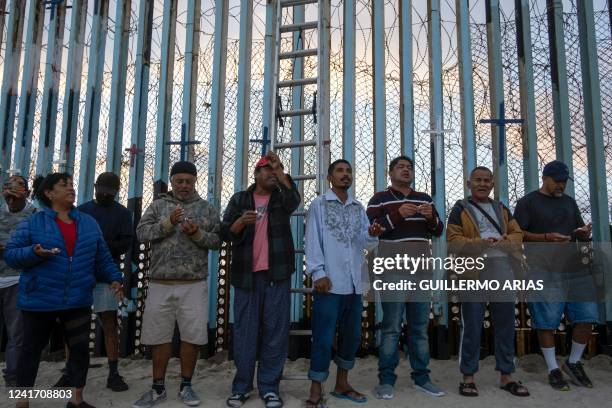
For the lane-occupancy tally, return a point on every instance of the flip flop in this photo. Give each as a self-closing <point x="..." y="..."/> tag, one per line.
<point x="346" y="395"/>
<point x="514" y="388"/>
<point x="315" y="404"/>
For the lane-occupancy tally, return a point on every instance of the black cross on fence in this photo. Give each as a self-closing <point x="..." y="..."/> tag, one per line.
<point x="501" y="122"/>
<point x="183" y="143"/>
<point x="265" y="141"/>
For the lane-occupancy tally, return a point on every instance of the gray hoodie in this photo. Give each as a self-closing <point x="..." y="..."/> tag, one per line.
<point x="174" y="254"/>
<point x="8" y="223"/>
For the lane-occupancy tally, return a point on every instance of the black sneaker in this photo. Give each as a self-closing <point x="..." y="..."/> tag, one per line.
<point x="556" y="380"/>
<point x="115" y="382"/>
<point x="63" y="382"/>
<point x="576" y="374"/>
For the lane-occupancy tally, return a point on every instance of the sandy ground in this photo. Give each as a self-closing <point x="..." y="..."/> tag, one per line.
<point x="212" y="381"/>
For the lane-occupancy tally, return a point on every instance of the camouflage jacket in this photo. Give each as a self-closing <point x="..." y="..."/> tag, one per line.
<point x="174" y="254"/>
<point x="8" y="224"/>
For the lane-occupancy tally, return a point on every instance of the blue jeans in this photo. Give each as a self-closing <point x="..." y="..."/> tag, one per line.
<point x="329" y="312"/>
<point x="261" y="332"/>
<point x="417" y="315"/>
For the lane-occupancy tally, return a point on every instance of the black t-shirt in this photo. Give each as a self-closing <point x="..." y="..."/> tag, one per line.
<point x="539" y="213"/>
<point x="115" y="221"/>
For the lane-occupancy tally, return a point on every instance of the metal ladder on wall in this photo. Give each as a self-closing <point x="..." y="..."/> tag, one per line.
<point x="319" y="109"/>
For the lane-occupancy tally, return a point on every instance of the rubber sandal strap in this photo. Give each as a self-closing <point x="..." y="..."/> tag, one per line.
<point x="468" y="386"/>
<point x="514" y="388"/>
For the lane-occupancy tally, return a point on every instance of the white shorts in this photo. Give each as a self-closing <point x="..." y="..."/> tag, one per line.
<point x="167" y="304"/>
<point x="104" y="299"/>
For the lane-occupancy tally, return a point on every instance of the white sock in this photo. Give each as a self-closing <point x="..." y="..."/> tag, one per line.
<point x="576" y="353"/>
<point x="549" y="356"/>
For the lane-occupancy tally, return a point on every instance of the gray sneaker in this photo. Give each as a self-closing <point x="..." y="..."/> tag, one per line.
<point x="384" y="391"/>
<point x="189" y="397"/>
<point x="430" y="388"/>
<point x="149" y="399"/>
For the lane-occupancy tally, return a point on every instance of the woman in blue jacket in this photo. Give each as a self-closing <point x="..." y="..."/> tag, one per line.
<point x="61" y="253"/>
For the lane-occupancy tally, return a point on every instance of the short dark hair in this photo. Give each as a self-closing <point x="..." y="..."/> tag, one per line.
<point x="36" y="185"/>
<point x="332" y="166"/>
<point x="47" y="185"/>
<point x="483" y="168"/>
<point x="397" y="160"/>
<point x="25" y="180"/>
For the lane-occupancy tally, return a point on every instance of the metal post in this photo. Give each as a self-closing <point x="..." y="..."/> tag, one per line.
<point x="91" y="127"/>
<point x="190" y="83"/>
<point x="593" y="121"/>
<point x="348" y="85"/>
<point x="138" y="137"/>
<point x="594" y="134"/>
<point x="496" y="81"/>
<point x="164" y="107"/>
<point x="3" y="13"/>
<point x="269" y="88"/>
<point x="323" y="84"/>
<point x="29" y="88"/>
<point x="297" y="162"/>
<point x="558" y="73"/>
<point x="380" y="118"/>
<point x="10" y="77"/>
<point x="406" y="88"/>
<point x="215" y="152"/>
<point x="114" y="147"/>
<point x="141" y="103"/>
<point x="72" y="95"/>
<point x="525" y="62"/>
<point x="244" y="93"/>
<point x="48" y="122"/>
<point x="466" y="88"/>
<point x="436" y="117"/>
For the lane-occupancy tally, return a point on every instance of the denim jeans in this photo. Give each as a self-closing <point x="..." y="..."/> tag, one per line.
<point x="261" y="332"/>
<point x="329" y="312"/>
<point x="417" y="316"/>
<point x="11" y="316"/>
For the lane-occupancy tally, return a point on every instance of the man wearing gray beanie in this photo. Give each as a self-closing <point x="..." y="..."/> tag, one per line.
<point x="181" y="227"/>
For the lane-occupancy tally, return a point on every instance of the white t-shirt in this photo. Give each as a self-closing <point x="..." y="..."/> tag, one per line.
<point x="486" y="227"/>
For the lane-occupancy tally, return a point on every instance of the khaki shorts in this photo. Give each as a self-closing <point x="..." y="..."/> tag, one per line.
<point x="185" y="304"/>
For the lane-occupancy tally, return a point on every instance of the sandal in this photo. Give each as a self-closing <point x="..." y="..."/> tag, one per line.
<point x="315" y="404"/>
<point x="272" y="400"/>
<point x="237" y="400"/>
<point x="515" y="388"/>
<point x="350" y="395"/>
<point x="464" y="387"/>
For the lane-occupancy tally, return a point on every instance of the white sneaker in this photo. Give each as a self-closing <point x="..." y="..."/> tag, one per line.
<point x="430" y="388"/>
<point x="150" y="398"/>
<point x="384" y="391"/>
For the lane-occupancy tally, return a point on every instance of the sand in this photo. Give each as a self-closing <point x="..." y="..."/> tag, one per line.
<point x="212" y="381"/>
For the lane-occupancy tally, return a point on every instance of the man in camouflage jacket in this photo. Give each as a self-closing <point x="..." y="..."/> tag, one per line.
<point x="181" y="228"/>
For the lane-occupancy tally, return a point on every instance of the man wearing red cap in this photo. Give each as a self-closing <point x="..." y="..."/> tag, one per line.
<point x="257" y="222"/>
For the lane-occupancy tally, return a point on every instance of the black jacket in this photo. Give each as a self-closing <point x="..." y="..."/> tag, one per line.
<point x="283" y="203"/>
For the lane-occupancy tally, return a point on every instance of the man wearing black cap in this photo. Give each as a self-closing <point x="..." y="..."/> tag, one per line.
<point x="548" y="215"/>
<point x="115" y="221"/>
<point x="181" y="228"/>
